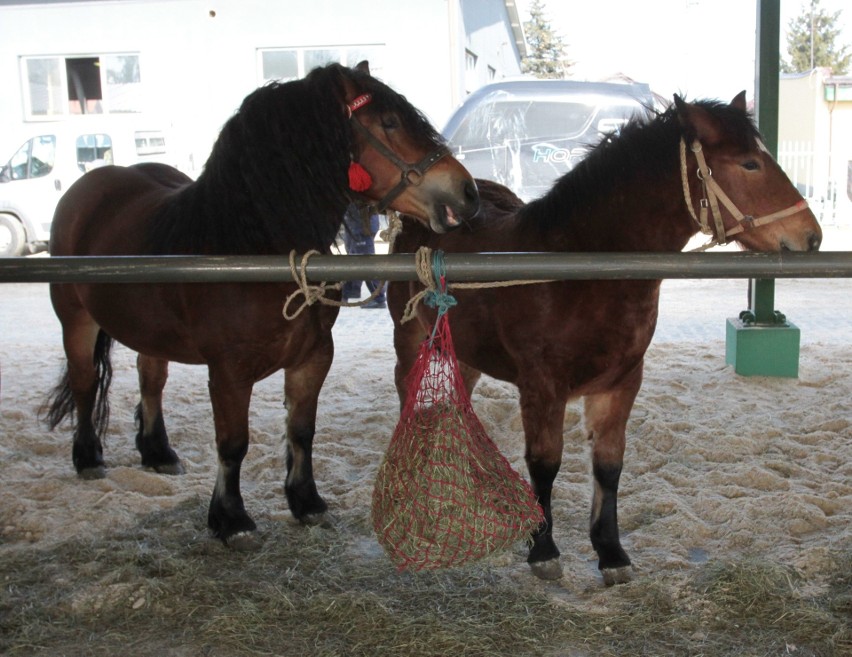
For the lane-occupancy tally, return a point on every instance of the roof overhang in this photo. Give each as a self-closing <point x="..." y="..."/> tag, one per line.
<point x="517" y="27"/>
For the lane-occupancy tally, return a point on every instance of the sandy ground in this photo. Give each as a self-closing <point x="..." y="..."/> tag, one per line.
<point x="717" y="464"/>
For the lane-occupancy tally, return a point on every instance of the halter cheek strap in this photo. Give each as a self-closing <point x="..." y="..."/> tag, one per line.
<point x="411" y="174"/>
<point x="713" y="194"/>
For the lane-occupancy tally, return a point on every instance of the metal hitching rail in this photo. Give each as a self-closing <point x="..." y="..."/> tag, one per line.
<point x="460" y="267"/>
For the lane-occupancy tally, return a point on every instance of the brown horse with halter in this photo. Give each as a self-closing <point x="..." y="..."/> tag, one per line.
<point x="557" y="341"/>
<point x="279" y="178"/>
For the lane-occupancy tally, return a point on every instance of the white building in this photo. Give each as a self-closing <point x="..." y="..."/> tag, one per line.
<point x="184" y="66"/>
<point x="815" y="140"/>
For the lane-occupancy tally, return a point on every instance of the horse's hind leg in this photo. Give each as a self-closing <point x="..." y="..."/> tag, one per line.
<point x="85" y="384"/>
<point x="152" y="441"/>
<point x="606" y="416"/>
<point x="301" y="392"/>
<point x="470" y="376"/>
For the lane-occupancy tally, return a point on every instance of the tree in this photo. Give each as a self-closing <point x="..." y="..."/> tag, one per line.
<point x="812" y="41"/>
<point x="547" y="52"/>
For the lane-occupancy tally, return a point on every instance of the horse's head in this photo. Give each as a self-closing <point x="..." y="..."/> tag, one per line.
<point x="399" y="160"/>
<point x="739" y="190"/>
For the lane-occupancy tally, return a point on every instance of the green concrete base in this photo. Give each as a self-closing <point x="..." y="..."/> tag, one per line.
<point x="762" y="350"/>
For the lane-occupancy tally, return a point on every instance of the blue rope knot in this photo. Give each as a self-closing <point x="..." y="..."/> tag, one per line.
<point x="439" y="297"/>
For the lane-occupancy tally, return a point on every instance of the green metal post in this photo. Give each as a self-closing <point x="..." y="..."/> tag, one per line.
<point x="761" y="342"/>
<point x="762" y="293"/>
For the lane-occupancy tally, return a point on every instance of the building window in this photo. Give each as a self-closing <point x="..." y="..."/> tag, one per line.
<point x="284" y="64"/>
<point x="123" y="83"/>
<point x="85" y="95"/>
<point x="470" y="60"/>
<point x="45" y="85"/>
<point x="470" y="79"/>
<point x="59" y="86"/>
<point x="492" y="74"/>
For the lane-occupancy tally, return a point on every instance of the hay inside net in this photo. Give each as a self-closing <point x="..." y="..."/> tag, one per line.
<point x="444" y="493"/>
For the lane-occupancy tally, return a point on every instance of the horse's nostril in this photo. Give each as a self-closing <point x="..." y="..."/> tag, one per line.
<point x="814" y="242"/>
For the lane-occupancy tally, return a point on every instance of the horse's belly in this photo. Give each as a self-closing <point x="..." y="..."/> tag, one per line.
<point x="572" y="357"/>
<point x="136" y="317"/>
<point x="200" y="324"/>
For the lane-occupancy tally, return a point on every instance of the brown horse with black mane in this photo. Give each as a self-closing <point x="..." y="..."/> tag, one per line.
<point x="280" y="177"/>
<point x="636" y="191"/>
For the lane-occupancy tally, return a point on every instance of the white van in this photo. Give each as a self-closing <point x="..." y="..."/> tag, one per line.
<point x="40" y="161"/>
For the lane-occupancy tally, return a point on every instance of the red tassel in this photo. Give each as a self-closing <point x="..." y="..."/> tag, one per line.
<point x="359" y="178"/>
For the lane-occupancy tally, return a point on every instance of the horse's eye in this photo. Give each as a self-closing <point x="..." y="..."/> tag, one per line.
<point x="751" y="165"/>
<point x="390" y="121"/>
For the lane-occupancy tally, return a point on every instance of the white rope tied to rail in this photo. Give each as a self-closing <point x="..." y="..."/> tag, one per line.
<point x="315" y="293"/>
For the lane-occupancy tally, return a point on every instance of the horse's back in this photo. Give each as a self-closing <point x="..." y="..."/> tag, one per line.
<point x="559" y="331"/>
<point x="106" y="209"/>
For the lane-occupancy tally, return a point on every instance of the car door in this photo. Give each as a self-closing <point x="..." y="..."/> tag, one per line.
<point x="32" y="185"/>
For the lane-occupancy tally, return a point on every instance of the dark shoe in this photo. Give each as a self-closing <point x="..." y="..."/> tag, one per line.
<point x="375" y="303"/>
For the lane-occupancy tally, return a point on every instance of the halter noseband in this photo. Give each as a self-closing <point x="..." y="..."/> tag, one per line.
<point x="712" y="194"/>
<point x="411" y="174"/>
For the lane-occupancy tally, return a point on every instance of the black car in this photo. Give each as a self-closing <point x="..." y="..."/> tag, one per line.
<point x="527" y="133"/>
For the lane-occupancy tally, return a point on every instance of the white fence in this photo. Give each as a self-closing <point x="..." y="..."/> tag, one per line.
<point x="823" y="178"/>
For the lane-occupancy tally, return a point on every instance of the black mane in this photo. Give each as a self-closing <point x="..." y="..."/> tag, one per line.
<point x="646" y="146"/>
<point x="276" y="178"/>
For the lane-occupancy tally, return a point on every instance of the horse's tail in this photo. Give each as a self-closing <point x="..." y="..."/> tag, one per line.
<point x="60" y="402"/>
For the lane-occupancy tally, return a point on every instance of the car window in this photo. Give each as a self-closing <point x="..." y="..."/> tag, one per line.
<point x="93" y="151"/>
<point x="527" y="139"/>
<point x="34" y="159"/>
<point x="495" y="122"/>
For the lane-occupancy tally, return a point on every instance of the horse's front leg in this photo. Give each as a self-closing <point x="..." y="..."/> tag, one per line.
<point x="407" y="337"/>
<point x="230" y="397"/>
<point x="302" y="387"/>
<point x="543" y="417"/>
<point x="606" y="416"/>
<point x="152" y="441"/>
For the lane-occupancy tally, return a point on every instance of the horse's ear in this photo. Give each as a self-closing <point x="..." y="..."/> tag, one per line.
<point x="697" y="122"/>
<point x="739" y="101"/>
<point x="350" y="89"/>
<point x="364" y="67"/>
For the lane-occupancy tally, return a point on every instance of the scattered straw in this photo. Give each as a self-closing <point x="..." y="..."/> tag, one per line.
<point x="325" y="591"/>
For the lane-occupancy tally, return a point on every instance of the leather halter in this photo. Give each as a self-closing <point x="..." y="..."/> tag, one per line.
<point x="411" y="174"/>
<point x="713" y="194"/>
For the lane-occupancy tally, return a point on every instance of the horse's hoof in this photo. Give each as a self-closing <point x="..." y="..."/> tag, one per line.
<point x="612" y="576"/>
<point x="96" y="472"/>
<point x="315" y="520"/>
<point x="170" y="468"/>
<point x="244" y="542"/>
<point x="547" y="570"/>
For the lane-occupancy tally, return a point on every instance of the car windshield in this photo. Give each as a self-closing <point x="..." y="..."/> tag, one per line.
<point x="526" y="141"/>
<point x="495" y="122"/>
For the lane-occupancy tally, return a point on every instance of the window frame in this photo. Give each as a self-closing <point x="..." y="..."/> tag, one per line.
<point x="346" y="54"/>
<point x="62" y="109"/>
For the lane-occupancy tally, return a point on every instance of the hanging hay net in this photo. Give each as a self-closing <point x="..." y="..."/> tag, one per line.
<point x="444" y="494"/>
